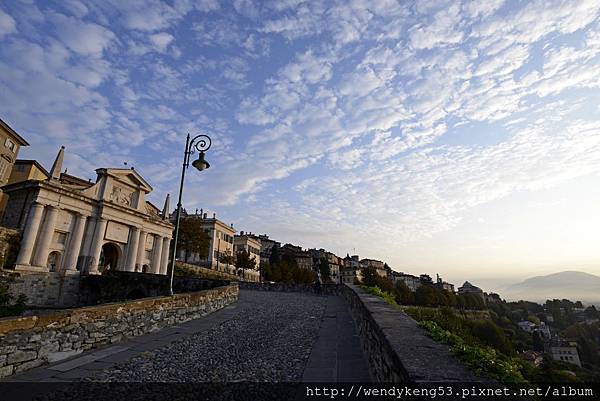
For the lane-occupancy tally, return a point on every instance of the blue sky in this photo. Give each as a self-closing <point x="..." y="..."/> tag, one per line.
<point x="441" y="136"/>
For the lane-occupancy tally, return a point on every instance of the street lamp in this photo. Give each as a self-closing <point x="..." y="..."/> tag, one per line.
<point x="201" y="143"/>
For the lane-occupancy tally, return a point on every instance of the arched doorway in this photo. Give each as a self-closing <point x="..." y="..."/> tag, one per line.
<point x="109" y="257"/>
<point x="53" y="263"/>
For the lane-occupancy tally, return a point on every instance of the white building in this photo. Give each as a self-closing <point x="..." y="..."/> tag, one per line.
<point x="527" y="326"/>
<point x="412" y="282"/>
<point x="251" y="245"/>
<point x="72" y="225"/>
<point x="565" y="352"/>
<point x="220" y="250"/>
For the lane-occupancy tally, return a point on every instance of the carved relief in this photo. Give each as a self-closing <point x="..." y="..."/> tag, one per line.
<point x="121" y="196"/>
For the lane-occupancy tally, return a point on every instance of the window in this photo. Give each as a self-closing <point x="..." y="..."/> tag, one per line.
<point x="20" y="168"/>
<point x="11" y="145"/>
<point x="60" y="238"/>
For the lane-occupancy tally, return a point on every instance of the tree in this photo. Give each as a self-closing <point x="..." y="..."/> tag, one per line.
<point x="227" y="258"/>
<point x="426" y="295"/>
<point x="275" y="257"/>
<point x="369" y="276"/>
<point x="325" y="270"/>
<point x="404" y="295"/>
<point x="245" y="262"/>
<point x="192" y="238"/>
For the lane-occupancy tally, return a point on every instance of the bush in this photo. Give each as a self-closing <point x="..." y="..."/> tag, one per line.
<point x="7" y="306"/>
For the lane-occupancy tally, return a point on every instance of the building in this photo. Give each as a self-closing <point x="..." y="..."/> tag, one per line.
<point x="73" y="226"/>
<point x="220" y="249"/>
<point x="412" y="282"/>
<point x="245" y="242"/>
<point x="527" y="326"/>
<point x="443" y="285"/>
<point x="468" y="288"/>
<point x="10" y="143"/>
<point x="565" y="351"/>
<point x="378" y="265"/>
<point x="303" y="258"/>
<point x="24" y="170"/>
<point x="350" y="270"/>
<point x="266" y="246"/>
<point x="536" y="358"/>
<point x="334" y="262"/>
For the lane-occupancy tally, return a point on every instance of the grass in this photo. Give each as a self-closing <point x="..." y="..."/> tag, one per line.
<point x="386" y="296"/>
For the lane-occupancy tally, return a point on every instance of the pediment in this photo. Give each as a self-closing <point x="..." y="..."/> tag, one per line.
<point x="128" y="177"/>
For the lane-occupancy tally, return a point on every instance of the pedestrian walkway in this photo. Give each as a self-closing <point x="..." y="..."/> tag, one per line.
<point x="87" y="364"/>
<point x="273" y="335"/>
<point x="336" y="355"/>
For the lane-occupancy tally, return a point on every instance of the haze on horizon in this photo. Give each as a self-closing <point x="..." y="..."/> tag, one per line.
<point x="460" y="138"/>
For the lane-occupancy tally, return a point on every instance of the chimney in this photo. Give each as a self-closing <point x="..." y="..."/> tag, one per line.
<point x="205" y="215"/>
<point x="214" y="215"/>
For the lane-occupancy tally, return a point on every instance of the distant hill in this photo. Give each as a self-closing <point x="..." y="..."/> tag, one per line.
<point x="572" y="285"/>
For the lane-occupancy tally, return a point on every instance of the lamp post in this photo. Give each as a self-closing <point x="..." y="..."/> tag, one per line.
<point x="200" y="143"/>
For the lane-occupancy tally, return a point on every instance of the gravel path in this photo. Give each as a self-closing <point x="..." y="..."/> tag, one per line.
<point x="269" y="339"/>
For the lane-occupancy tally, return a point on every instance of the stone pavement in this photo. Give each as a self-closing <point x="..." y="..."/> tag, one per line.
<point x="335" y="356"/>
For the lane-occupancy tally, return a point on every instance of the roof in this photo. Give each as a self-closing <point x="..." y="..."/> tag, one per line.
<point x="35" y="163"/>
<point x="18" y="137"/>
<point x="127" y="171"/>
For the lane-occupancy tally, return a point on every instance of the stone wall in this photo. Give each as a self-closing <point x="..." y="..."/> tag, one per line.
<point x="31" y="341"/>
<point x="10" y="240"/>
<point x="398" y="350"/>
<point x="43" y="289"/>
<point x="326" y="289"/>
<point x="119" y="286"/>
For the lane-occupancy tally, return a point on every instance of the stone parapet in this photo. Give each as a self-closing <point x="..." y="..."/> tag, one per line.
<point x="398" y="350"/>
<point x="30" y="341"/>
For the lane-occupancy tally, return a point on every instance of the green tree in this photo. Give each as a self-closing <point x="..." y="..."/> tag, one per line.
<point x="245" y="262"/>
<point x="369" y="276"/>
<point x="426" y="295"/>
<point x="404" y="296"/>
<point x="192" y="238"/>
<point x="324" y="270"/>
<point x="275" y="257"/>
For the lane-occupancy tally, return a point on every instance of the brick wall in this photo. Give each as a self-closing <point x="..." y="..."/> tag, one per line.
<point x="31" y="341"/>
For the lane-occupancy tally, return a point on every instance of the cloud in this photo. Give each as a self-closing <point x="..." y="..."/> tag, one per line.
<point x="7" y="24"/>
<point x="161" y="40"/>
<point x="86" y="39"/>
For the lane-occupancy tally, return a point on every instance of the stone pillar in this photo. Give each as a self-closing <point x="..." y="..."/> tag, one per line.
<point x="164" y="261"/>
<point x="157" y="253"/>
<point x="96" y="247"/>
<point x="30" y="234"/>
<point x="139" y="259"/>
<point x="75" y="243"/>
<point x="132" y="249"/>
<point x="45" y="237"/>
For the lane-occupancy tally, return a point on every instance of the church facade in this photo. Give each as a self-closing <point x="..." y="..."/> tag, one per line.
<point x="74" y="226"/>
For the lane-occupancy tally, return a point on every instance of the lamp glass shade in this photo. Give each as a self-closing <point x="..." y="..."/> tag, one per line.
<point x="200" y="164"/>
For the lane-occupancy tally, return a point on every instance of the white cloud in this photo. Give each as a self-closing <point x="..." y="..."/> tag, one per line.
<point x="7" y="24"/>
<point x="87" y="39"/>
<point x="161" y="40"/>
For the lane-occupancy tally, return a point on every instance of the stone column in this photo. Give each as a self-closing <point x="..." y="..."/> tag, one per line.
<point x="139" y="259"/>
<point x="96" y="247"/>
<point x="164" y="261"/>
<point x="45" y="237"/>
<point x="157" y="253"/>
<point x="75" y="243"/>
<point x="132" y="249"/>
<point x="30" y="234"/>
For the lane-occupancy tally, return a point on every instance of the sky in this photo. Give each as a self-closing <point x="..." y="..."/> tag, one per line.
<point x="459" y="138"/>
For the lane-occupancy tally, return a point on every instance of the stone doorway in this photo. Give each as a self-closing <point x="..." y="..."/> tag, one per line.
<point x="109" y="257"/>
<point x="53" y="263"/>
